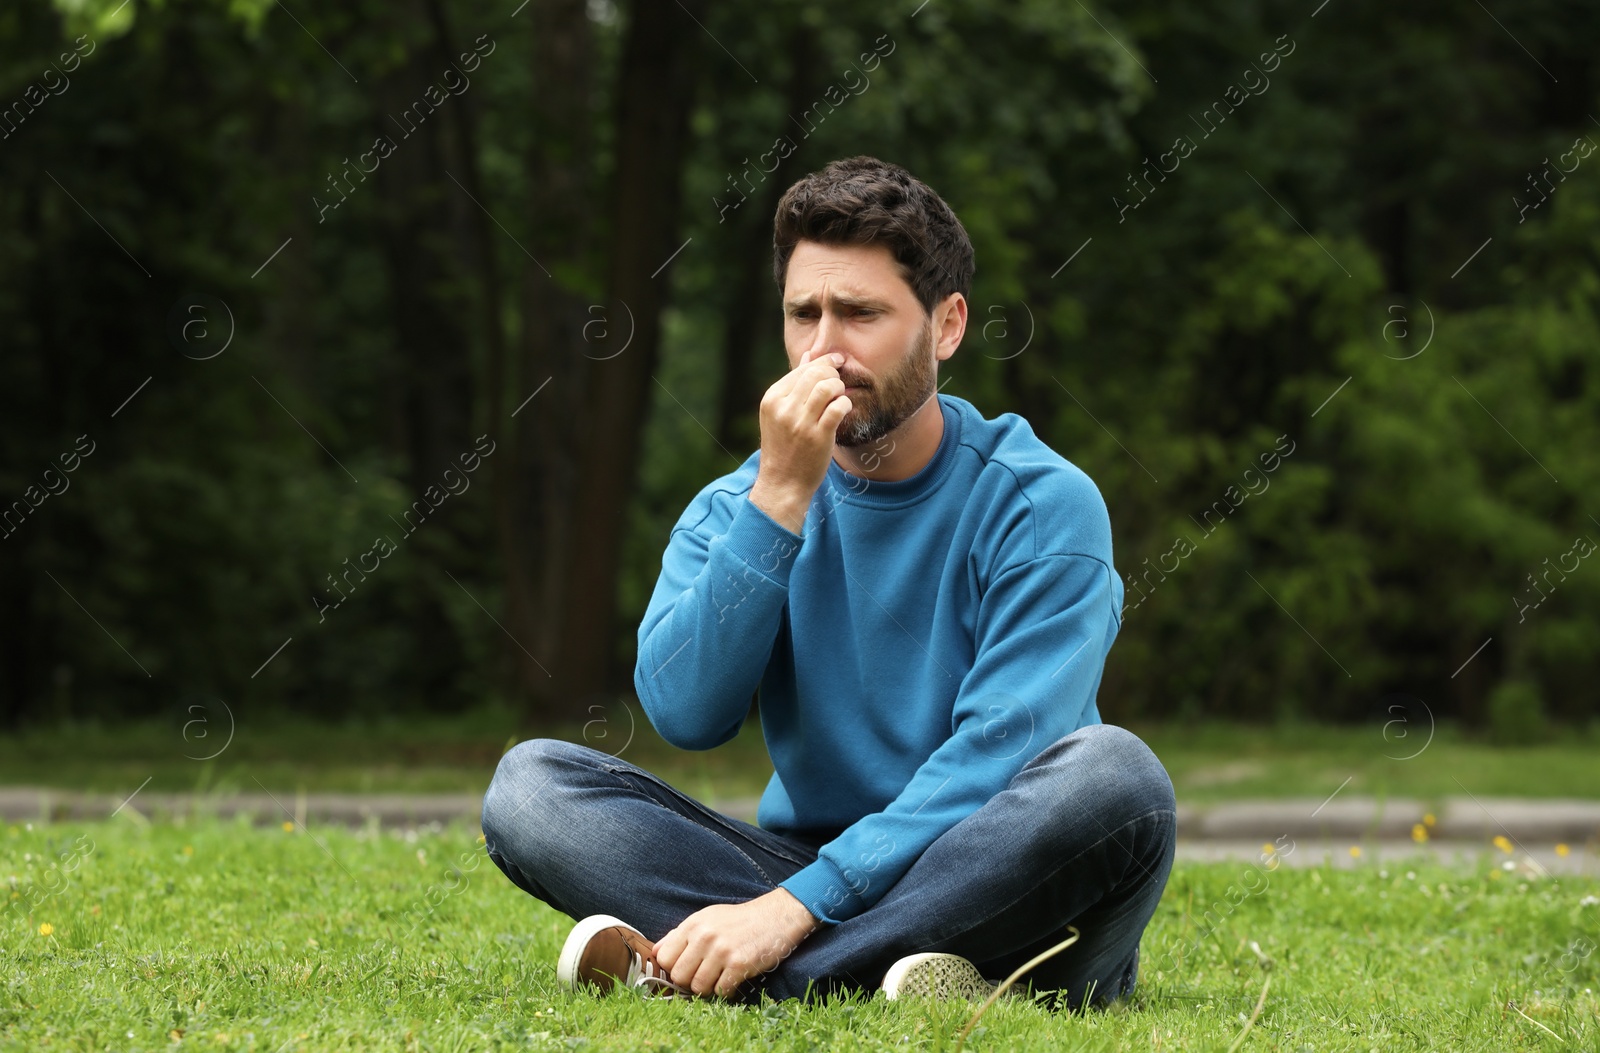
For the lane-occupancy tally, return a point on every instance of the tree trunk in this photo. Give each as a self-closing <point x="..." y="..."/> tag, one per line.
<point x="752" y="284"/>
<point x="535" y="474"/>
<point x="655" y="92"/>
<point x="432" y="349"/>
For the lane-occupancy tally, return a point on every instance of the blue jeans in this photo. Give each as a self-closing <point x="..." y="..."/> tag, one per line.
<point x="1083" y="835"/>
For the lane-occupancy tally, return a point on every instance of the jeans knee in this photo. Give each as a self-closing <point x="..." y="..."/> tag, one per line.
<point x="1121" y="767"/>
<point x="524" y="771"/>
<point x="1138" y="770"/>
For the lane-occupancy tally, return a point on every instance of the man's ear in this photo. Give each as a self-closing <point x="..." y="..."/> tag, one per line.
<point x="949" y="324"/>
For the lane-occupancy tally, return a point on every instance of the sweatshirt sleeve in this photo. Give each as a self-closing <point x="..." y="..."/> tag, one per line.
<point x="709" y="629"/>
<point x="1041" y="637"/>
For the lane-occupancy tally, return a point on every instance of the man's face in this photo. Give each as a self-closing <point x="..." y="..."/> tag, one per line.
<point x="853" y="300"/>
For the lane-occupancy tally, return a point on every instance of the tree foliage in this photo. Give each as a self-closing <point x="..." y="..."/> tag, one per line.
<point x="1356" y="245"/>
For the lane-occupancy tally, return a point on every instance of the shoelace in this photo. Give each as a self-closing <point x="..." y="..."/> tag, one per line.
<point x="646" y="973"/>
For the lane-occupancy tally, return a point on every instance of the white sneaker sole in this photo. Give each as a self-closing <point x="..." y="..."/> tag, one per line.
<point x="936" y="976"/>
<point x="577" y="940"/>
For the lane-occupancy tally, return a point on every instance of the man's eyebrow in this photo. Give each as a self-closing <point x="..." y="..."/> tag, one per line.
<point x="839" y="300"/>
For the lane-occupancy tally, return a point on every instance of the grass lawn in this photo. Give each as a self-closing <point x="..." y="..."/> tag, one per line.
<point x="129" y="936"/>
<point x="1208" y="762"/>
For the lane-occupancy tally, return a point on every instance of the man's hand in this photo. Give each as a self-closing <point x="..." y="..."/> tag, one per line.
<point x="800" y="416"/>
<point x="718" y="948"/>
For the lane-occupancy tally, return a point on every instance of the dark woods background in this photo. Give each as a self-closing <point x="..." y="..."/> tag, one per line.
<point x="521" y="309"/>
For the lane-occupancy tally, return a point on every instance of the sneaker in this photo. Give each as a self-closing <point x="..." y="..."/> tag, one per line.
<point x="604" y="951"/>
<point x="940" y="976"/>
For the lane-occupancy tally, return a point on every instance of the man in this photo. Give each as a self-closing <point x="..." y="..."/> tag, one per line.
<point x="925" y="598"/>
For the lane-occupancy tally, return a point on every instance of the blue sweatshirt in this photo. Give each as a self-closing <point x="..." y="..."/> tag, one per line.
<point x="919" y="643"/>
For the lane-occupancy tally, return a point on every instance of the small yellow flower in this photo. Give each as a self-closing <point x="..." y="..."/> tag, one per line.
<point x="46" y="929"/>
<point x="1267" y="849"/>
<point x="188" y="850"/>
<point x="1419" y="833"/>
<point x="483" y="839"/>
<point x="1355" y="851"/>
<point x="288" y="827"/>
<point x="1562" y="850"/>
<point x="1502" y="844"/>
<point x="1429" y="820"/>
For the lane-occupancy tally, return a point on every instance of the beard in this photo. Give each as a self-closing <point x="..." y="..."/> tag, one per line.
<point x="885" y="405"/>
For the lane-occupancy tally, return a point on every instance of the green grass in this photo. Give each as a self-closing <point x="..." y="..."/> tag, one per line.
<point x="1209" y="762"/>
<point x="223" y="936"/>
<point x="417" y="755"/>
<point x="1217" y="761"/>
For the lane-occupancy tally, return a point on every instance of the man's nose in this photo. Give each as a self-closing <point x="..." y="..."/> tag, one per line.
<point x="829" y="335"/>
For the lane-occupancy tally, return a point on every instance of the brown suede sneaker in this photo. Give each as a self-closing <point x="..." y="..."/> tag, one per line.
<point x="605" y="952"/>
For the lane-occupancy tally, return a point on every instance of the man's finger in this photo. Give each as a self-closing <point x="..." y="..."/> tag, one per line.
<point x="799" y="380"/>
<point x="787" y="382"/>
<point x="683" y="971"/>
<point x="668" y="948"/>
<point x="706" y="977"/>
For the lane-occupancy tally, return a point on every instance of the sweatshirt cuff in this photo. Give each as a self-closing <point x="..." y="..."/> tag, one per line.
<point x="762" y="542"/>
<point x="821" y="888"/>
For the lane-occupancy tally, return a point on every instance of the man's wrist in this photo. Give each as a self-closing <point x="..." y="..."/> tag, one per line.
<point x="800" y="917"/>
<point x="783" y="505"/>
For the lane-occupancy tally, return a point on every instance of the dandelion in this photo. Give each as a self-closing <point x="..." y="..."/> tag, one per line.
<point x="1502" y="843"/>
<point x="1562" y="850"/>
<point x="1355" y="851"/>
<point x="188" y="850"/>
<point x="288" y="827"/>
<point x="1429" y="821"/>
<point x="46" y="929"/>
<point x="1419" y="833"/>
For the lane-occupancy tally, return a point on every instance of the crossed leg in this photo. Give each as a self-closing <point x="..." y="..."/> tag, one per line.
<point x="1083" y="835"/>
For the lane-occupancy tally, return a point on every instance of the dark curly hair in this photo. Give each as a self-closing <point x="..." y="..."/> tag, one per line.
<point x="864" y="201"/>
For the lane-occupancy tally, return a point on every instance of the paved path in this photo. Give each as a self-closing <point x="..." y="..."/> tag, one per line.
<point x="1397" y="856"/>
<point x="1319" y="829"/>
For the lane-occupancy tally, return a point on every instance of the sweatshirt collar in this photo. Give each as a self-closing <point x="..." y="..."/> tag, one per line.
<point x="901" y="492"/>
